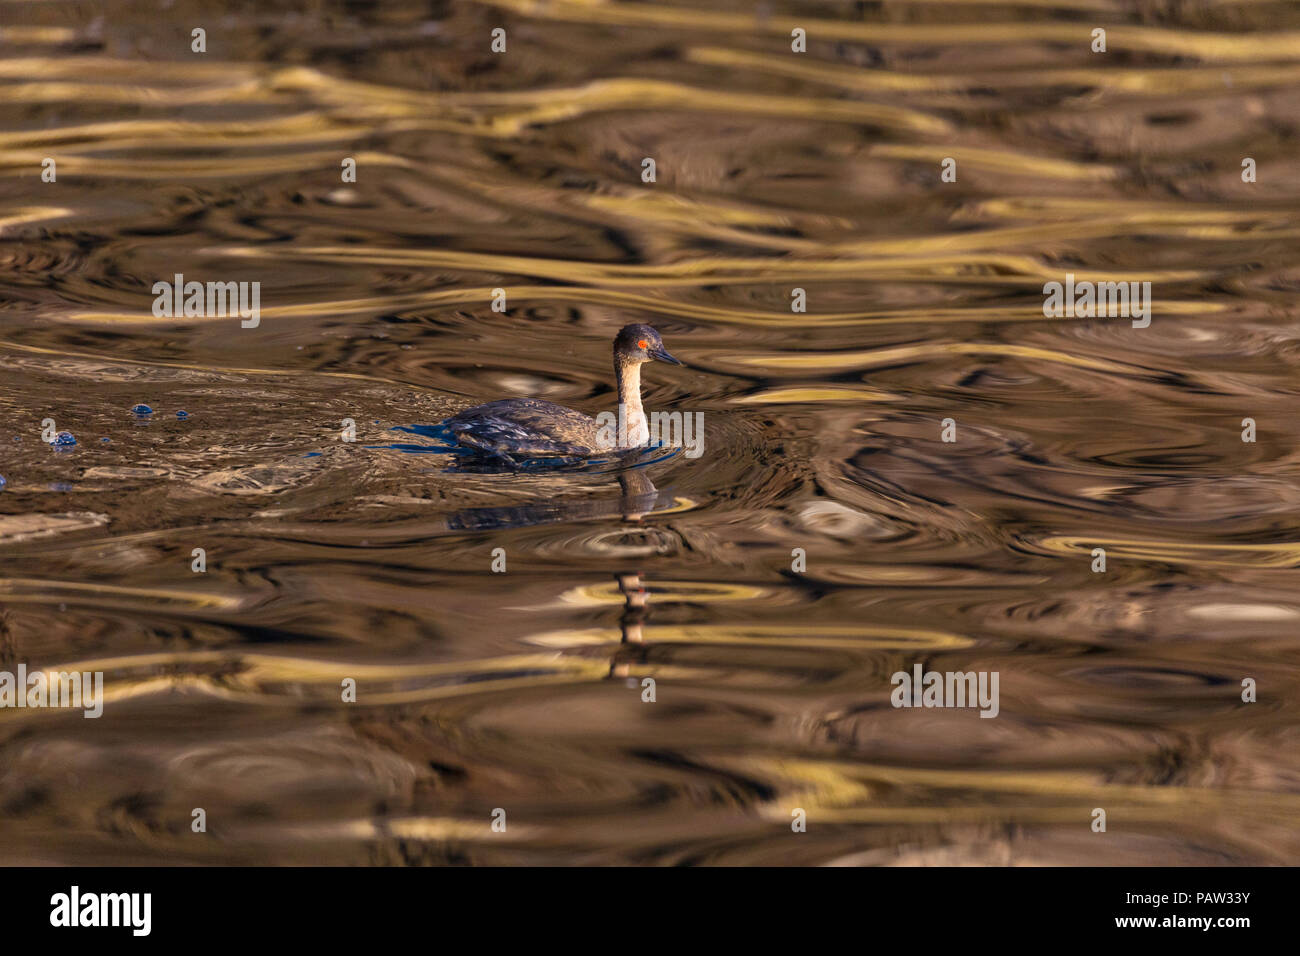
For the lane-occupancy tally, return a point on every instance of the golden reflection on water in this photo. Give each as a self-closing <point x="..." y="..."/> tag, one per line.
<point x="371" y="561"/>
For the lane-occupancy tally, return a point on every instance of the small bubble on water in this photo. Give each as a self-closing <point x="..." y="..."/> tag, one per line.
<point x="182" y="415"/>
<point x="105" y="440"/>
<point x="64" y="438"/>
<point x="141" y="410"/>
<point x="2" y="481"/>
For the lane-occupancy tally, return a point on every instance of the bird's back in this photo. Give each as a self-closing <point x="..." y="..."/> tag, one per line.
<point x="526" y="426"/>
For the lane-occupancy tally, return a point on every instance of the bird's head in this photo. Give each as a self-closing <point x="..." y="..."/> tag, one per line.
<point x="638" y="343"/>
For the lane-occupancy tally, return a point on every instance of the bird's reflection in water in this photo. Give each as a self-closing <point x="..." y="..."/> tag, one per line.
<point x="638" y="499"/>
<point x="635" y="599"/>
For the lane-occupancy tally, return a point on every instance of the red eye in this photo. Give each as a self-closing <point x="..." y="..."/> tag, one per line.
<point x="643" y="344"/>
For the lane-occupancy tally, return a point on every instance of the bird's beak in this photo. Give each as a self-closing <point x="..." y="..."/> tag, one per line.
<point x="662" y="355"/>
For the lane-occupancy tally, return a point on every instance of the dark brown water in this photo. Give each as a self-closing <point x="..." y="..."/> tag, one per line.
<point x="372" y="560"/>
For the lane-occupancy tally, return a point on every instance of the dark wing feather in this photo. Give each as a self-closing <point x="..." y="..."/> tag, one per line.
<point x="526" y="426"/>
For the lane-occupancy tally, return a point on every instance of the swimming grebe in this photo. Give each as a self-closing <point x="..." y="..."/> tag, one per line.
<point x="529" y="428"/>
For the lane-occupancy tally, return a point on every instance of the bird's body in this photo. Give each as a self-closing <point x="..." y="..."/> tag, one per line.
<point x="526" y="426"/>
<point x="530" y="428"/>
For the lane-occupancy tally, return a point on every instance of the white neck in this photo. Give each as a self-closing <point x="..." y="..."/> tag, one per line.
<point x="634" y="431"/>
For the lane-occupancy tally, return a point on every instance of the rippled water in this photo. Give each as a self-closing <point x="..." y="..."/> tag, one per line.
<point x="775" y="170"/>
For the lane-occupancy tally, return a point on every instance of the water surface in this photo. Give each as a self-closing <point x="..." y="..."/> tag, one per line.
<point x="372" y="560"/>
